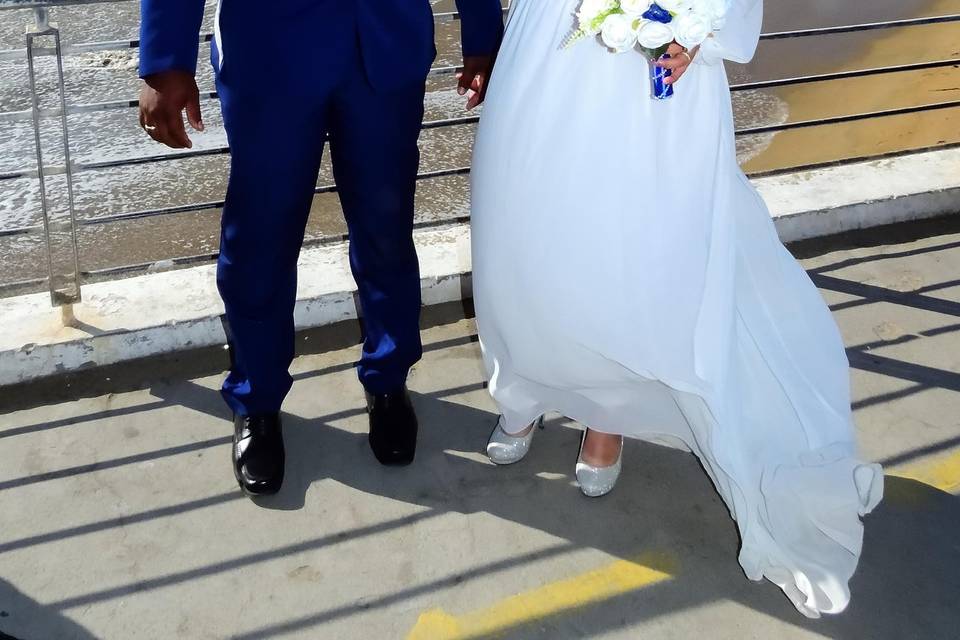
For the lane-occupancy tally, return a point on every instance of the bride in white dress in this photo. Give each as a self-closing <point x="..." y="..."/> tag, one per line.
<point x="628" y="276"/>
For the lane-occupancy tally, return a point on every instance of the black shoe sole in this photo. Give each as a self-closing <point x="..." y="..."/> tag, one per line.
<point x="392" y="458"/>
<point x="396" y="461"/>
<point x="257" y="490"/>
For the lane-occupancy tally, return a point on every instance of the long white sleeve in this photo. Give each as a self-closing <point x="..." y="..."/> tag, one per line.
<point x="737" y="40"/>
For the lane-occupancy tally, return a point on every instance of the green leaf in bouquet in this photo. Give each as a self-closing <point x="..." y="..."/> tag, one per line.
<point x="591" y="28"/>
<point x="655" y="54"/>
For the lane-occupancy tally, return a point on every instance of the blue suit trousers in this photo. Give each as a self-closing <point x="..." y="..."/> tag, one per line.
<point x="276" y="142"/>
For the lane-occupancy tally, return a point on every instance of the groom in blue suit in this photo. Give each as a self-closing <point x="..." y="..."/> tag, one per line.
<point x="290" y="75"/>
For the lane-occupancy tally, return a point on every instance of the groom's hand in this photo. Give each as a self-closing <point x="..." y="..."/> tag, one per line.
<point x="163" y="99"/>
<point x="472" y="81"/>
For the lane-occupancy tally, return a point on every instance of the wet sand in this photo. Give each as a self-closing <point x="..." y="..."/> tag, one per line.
<point x="868" y="94"/>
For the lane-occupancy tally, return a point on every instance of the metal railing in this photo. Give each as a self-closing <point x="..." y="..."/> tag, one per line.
<point x="65" y="288"/>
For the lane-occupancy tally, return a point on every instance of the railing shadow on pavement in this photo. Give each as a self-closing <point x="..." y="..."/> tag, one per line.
<point x="17" y="610"/>
<point x="642" y="514"/>
<point x="878" y="237"/>
<point x="621" y="525"/>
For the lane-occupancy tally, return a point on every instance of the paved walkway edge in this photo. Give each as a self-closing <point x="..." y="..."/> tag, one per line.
<point x="169" y="311"/>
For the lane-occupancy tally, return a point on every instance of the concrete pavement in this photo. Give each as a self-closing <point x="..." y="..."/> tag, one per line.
<point x="120" y="519"/>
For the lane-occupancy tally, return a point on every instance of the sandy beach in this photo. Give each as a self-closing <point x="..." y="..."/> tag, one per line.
<point x="868" y="94"/>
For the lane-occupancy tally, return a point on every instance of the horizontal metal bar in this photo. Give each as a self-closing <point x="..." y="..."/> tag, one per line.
<point x="854" y="28"/>
<point x="20" y="231"/>
<point x="39" y="4"/>
<point x="445" y="16"/>
<point x="449" y="122"/>
<point x="159" y="157"/>
<point x="73" y="49"/>
<point x="123" y="45"/>
<point x="34" y="4"/>
<point x="49" y="170"/>
<point x="52" y="170"/>
<point x="884" y="113"/>
<point x="444" y="71"/>
<point x="26" y="115"/>
<point x="852" y="160"/>
<point x="151" y="213"/>
<point x="843" y="75"/>
<point x="182" y="155"/>
<point x="20" y="173"/>
<point x="218" y="204"/>
<point x="119" y="45"/>
<point x="12" y="288"/>
<point x="450" y="16"/>
<point x="445" y="122"/>
<point x="443" y="173"/>
<point x="428" y="224"/>
<point x="466" y="170"/>
<point x="210" y="257"/>
<point x="146" y="266"/>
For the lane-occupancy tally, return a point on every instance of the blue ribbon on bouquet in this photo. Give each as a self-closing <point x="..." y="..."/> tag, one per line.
<point x="658" y="75"/>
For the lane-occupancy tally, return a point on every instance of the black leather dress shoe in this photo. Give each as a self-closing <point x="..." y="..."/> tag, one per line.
<point x="258" y="456"/>
<point x="393" y="427"/>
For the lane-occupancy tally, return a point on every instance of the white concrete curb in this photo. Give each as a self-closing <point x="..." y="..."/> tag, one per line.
<point x="165" y="312"/>
<point x="824" y="202"/>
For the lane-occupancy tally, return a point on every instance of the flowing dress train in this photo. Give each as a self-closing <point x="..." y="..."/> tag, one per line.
<point x="627" y="275"/>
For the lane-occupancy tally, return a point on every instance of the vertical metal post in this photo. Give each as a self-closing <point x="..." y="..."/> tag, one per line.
<point x="64" y="287"/>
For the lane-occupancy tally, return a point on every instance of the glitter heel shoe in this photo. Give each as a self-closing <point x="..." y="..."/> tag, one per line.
<point x="503" y="448"/>
<point x="597" y="481"/>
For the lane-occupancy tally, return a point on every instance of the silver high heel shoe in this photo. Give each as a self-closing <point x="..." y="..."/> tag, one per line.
<point x="503" y="448"/>
<point x="597" y="481"/>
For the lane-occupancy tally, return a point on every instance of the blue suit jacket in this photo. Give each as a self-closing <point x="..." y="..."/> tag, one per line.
<point x="299" y="42"/>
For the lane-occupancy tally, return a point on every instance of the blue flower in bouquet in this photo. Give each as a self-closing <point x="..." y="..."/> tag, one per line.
<point x="657" y="14"/>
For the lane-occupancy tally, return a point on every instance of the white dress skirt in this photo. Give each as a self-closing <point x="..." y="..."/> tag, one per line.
<point x="628" y="276"/>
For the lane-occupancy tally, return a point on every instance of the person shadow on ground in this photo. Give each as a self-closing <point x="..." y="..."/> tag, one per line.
<point x="19" y="613"/>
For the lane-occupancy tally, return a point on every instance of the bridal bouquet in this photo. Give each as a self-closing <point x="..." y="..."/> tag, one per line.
<point x="650" y="27"/>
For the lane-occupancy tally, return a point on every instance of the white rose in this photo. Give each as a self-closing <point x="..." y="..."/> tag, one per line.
<point x="634" y="8"/>
<point x="674" y="6"/>
<point x="691" y="29"/>
<point x="716" y="10"/>
<point x="617" y="33"/>
<point x="589" y="10"/>
<point x="653" y="34"/>
<point x="593" y="8"/>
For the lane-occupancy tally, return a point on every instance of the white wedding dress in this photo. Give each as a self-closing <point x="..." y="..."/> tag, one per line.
<point x="628" y="276"/>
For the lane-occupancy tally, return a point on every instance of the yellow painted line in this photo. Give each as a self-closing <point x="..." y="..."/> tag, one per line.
<point x="595" y="586"/>
<point x="941" y="473"/>
<point x="615" y="579"/>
